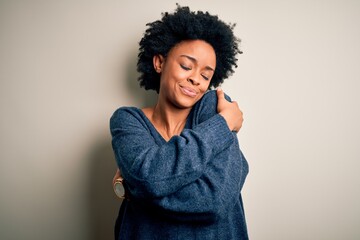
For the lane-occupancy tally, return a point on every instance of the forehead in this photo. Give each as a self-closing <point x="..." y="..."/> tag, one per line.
<point x="200" y="50"/>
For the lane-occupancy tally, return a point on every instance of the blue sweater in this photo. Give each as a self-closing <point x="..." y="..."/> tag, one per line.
<point x="185" y="188"/>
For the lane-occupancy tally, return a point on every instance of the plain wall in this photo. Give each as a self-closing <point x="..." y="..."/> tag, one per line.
<point x="65" y="66"/>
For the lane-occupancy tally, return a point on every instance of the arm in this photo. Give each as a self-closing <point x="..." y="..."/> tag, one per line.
<point x="218" y="189"/>
<point x="211" y="196"/>
<point x="204" y="187"/>
<point x="155" y="171"/>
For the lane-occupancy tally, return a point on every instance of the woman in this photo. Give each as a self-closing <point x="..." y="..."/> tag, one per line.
<point x="181" y="163"/>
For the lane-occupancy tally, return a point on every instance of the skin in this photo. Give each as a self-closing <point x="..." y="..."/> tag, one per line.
<point x="185" y="75"/>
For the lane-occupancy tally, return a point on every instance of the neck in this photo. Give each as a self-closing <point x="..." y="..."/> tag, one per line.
<point x="168" y="119"/>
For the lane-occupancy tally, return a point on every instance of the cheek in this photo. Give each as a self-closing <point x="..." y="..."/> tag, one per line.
<point x="205" y="86"/>
<point x="175" y="72"/>
<point x="181" y="75"/>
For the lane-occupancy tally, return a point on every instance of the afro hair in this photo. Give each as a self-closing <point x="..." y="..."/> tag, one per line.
<point x="162" y="35"/>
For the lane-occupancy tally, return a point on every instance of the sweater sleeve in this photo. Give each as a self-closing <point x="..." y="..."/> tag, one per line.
<point x="195" y="176"/>
<point x="153" y="170"/>
<point x="212" y="195"/>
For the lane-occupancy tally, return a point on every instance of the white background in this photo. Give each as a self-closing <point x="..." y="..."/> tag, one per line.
<point x="65" y="66"/>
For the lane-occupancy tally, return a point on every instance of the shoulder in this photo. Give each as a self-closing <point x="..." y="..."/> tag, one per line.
<point x="123" y="112"/>
<point x="124" y="115"/>
<point x="206" y="107"/>
<point x="210" y="99"/>
<point x="207" y="103"/>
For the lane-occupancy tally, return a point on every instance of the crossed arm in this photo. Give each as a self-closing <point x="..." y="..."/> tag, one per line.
<point x="195" y="175"/>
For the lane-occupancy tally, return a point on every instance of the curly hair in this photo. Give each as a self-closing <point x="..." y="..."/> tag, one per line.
<point x="162" y="35"/>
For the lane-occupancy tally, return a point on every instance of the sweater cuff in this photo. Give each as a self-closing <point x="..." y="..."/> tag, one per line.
<point x="216" y="132"/>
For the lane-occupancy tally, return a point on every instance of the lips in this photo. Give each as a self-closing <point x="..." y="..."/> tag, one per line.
<point x="188" y="91"/>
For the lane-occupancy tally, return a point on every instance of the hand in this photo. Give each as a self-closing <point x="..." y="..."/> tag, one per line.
<point x="117" y="176"/>
<point x="119" y="188"/>
<point x="230" y="111"/>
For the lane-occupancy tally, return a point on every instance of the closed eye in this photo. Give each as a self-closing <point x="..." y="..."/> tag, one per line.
<point x="205" y="77"/>
<point x="185" y="67"/>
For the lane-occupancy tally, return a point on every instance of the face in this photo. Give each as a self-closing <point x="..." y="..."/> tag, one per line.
<point x="185" y="73"/>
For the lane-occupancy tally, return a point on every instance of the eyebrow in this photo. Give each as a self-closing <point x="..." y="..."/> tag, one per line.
<point x="195" y="61"/>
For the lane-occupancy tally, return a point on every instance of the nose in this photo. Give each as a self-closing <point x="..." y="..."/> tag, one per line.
<point x="193" y="81"/>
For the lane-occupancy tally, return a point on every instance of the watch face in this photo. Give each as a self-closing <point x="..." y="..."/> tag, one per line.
<point x="119" y="189"/>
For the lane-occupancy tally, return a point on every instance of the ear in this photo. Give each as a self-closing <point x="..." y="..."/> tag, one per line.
<point x="158" y="61"/>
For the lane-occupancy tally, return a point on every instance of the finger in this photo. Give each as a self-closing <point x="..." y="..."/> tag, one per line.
<point x="220" y="93"/>
<point x="117" y="175"/>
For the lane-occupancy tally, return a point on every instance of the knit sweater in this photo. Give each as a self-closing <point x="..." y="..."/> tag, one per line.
<point x="185" y="188"/>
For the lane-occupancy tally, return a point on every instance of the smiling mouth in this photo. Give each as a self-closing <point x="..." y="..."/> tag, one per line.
<point x="188" y="91"/>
